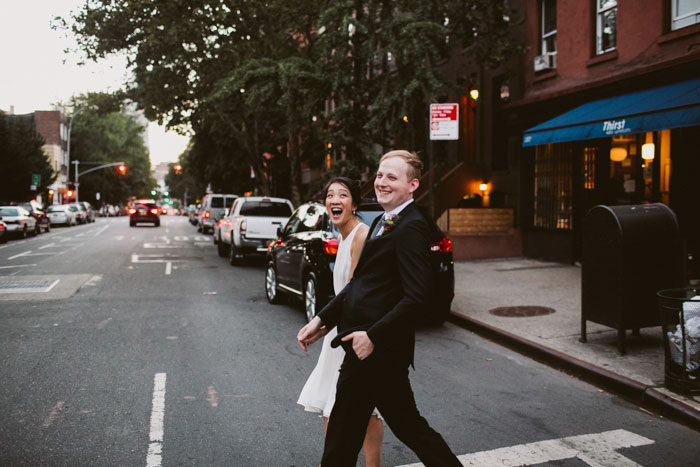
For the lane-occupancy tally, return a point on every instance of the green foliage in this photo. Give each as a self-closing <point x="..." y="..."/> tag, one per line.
<point x="21" y="156"/>
<point x="371" y="61"/>
<point x="102" y="132"/>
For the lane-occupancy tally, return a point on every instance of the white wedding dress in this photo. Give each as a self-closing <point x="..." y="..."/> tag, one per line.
<point x="318" y="394"/>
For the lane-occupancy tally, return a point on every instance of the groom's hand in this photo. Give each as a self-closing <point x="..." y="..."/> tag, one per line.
<point x="311" y="333"/>
<point x="361" y="344"/>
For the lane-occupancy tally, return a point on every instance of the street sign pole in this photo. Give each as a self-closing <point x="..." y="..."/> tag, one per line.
<point x="443" y="125"/>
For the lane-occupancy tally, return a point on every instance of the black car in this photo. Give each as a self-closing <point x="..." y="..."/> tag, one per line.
<point x="300" y="262"/>
<point x="144" y="211"/>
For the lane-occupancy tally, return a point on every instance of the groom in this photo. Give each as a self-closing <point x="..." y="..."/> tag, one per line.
<point x="375" y="315"/>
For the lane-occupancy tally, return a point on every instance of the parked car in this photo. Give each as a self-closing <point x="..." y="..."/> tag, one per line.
<point x="18" y="220"/>
<point x="3" y="232"/>
<point x="89" y="210"/>
<point x="144" y="211"/>
<point x="42" y="219"/>
<point x="81" y="214"/>
<point x="300" y="261"/>
<point x="213" y="207"/>
<point x="254" y="221"/>
<point x="222" y="227"/>
<point x="61" y="214"/>
<point x="193" y="213"/>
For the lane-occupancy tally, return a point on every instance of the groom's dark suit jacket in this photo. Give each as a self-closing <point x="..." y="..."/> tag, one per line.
<point x="388" y="289"/>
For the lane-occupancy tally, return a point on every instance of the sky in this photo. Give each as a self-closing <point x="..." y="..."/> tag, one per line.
<point x="35" y="72"/>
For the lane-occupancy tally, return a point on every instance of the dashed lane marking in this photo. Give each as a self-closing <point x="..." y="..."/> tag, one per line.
<point x="24" y="253"/>
<point x="155" y="448"/>
<point x="596" y="450"/>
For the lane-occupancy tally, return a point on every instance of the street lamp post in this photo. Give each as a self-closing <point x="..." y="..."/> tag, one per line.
<point x="68" y="161"/>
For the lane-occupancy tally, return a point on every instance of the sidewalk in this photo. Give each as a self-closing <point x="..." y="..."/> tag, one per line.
<point x="481" y="286"/>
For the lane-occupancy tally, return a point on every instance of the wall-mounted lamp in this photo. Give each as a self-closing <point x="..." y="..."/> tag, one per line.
<point x="618" y="154"/>
<point x="474" y="94"/>
<point x="405" y="118"/>
<point x="505" y="92"/>
<point x="483" y="187"/>
<point x="648" y="148"/>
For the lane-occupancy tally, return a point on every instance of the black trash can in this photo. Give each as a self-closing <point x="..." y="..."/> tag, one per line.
<point x="679" y="311"/>
<point x="629" y="254"/>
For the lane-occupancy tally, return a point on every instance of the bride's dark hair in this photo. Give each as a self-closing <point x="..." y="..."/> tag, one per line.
<point x="353" y="187"/>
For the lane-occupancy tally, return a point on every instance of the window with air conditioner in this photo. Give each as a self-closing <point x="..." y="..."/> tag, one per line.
<point x="684" y="13"/>
<point x="548" y="36"/>
<point x="606" y="26"/>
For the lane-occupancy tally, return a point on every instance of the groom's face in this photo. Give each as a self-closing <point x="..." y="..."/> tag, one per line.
<point x="392" y="185"/>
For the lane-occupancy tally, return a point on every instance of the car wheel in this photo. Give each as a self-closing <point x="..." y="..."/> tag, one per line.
<point x="271" y="291"/>
<point x="132" y="224"/>
<point x="199" y="228"/>
<point x="235" y="256"/>
<point x="157" y="223"/>
<point x="37" y="230"/>
<point x="24" y="233"/>
<point x="310" y="298"/>
<point x="48" y="227"/>
<point x="222" y="249"/>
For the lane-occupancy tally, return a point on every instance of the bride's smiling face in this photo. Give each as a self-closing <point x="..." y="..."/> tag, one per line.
<point x="339" y="204"/>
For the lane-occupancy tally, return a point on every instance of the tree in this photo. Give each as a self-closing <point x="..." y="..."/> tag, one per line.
<point x="252" y="76"/>
<point x="102" y="132"/>
<point x="21" y="156"/>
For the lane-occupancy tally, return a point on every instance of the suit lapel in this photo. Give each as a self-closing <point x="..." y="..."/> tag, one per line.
<point x="372" y="243"/>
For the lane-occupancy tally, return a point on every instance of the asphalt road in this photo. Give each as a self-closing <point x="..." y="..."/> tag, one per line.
<point x="141" y="347"/>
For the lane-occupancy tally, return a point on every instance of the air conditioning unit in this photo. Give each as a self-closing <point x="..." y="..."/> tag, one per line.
<point x="545" y="62"/>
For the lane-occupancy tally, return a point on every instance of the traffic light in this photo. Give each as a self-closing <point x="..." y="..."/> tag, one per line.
<point x="153" y="192"/>
<point x="122" y="169"/>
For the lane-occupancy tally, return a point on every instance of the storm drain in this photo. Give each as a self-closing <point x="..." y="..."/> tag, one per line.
<point x="521" y="311"/>
<point x="27" y="286"/>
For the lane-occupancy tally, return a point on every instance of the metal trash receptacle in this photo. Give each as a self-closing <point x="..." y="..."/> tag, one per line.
<point x="679" y="310"/>
<point x="630" y="252"/>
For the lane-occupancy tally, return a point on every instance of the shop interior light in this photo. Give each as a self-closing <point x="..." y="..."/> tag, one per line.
<point x="648" y="148"/>
<point x="618" y="154"/>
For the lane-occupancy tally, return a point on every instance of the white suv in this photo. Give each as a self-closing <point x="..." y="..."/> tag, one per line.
<point x="251" y="225"/>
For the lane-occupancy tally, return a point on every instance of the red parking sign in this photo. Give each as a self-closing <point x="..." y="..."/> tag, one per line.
<point x="444" y="122"/>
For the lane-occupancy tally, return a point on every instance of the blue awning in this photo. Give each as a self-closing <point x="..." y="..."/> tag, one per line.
<point x="673" y="106"/>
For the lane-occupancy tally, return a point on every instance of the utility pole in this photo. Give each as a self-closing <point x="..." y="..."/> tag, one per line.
<point x="76" y="163"/>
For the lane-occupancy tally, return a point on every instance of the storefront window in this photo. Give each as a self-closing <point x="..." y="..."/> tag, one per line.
<point x="553" y="187"/>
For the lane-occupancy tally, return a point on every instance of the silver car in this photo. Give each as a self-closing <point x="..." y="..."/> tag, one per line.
<point x="61" y="214"/>
<point x="18" y="220"/>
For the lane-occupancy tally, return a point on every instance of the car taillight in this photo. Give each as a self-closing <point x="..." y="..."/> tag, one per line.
<point x="330" y="246"/>
<point x="154" y="211"/>
<point x="244" y="227"/>
<point x="443" y="246"/>
<point x="132" y="211"/>
<point x="206" y="214"/>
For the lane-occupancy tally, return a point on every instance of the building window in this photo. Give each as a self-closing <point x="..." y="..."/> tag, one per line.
<point x="549" y="26"/>
<point x="606" y="26"/>
<point x="553" y="187"/>
<point x="589" y="154"/>
<point x="684" y="13"/>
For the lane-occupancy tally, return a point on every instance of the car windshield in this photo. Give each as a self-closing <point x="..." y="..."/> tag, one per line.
<point x="9" y="212"/>
<point x="266" y="208"/>
<point x="217" y="202"/>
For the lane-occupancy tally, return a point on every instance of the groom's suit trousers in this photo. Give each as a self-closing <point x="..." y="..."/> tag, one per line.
<point x="364" y="385"/>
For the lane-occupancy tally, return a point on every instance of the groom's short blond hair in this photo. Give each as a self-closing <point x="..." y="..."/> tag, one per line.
<point x="415" y="165"/>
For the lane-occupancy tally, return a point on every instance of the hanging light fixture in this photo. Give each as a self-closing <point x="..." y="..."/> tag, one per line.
<point x="618" y="154"/>
<point x="648" y="147"/>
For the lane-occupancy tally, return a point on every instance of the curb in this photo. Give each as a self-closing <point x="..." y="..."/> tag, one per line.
<point x="633" y="391"/>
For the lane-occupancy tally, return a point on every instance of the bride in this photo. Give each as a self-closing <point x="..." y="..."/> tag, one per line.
<point x="342" y="197"/>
